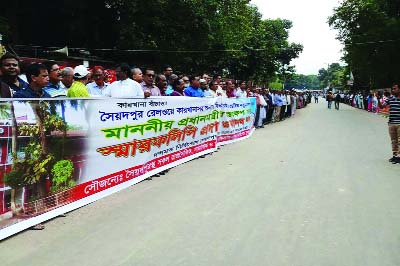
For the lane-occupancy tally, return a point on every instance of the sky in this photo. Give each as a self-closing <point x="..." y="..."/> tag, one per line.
<point x="310" y="28"/>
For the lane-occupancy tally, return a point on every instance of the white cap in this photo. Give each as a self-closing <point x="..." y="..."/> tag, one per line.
<point x="202" y="81"/>
<point x="80" y="71"/>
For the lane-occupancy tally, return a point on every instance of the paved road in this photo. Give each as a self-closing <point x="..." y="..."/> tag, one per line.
<point x="313" y="190"/>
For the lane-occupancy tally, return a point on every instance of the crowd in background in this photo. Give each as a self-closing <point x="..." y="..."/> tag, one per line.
<point x="368" y="101"/>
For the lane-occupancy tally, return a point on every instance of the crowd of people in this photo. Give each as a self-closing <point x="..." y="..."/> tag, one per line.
<point x="386" y="102"/>
<point x="49" y="80"/>
<point x="368" y="101"/>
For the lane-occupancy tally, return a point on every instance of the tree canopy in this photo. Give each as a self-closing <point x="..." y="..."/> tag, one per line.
<point x="370" y="31"/>
<point x="191" y="35"/>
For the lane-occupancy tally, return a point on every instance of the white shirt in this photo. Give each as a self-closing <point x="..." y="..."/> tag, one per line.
<point x="222" y="92"/>
<point x="288" y="100"/>
<point x="241" y="94"/>
<point x="124" y="89"/>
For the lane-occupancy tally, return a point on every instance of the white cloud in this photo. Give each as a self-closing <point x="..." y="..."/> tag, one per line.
<point x="310" y="28"/>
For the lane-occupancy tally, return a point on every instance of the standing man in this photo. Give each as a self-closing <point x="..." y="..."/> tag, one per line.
<point x="10" y="69"/>
<point x="67" y="77"/>
<point x="394" y="122"/>
<point x="337" y="101"/>
<point x="137" y="75"/>
<point x="161" y="83"/>
<point x="315" y="97"/>
<point x="278" y="104"/>
<point x="98" y="86"/>
<point x="329" y="98"/>
<point x="205" y="89"/>
<point x="167" y="72"/>
<point x="171" y="82"/>
<point x="124" y="87"/>
<point x="55" y="87"/>
<point x="38" y="78"/>
<point x="194" y="89"/>
<point x="78" y="88"/>
<point x="148" y="84"/>
<point x="241" y="92"/>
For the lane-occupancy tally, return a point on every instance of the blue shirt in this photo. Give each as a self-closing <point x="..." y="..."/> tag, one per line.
<point x="169" y="90"/>
<point x="278" y="100"/>
<point x="207" y="93"/>
<point x="193" y="92"/>
<point x="55" y="90"/>
<point x="30" y="93"/>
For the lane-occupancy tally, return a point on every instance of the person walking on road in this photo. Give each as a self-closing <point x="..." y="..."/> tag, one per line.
<point x="329" y="99"/>
<point x="315" y="97"/>
<point x="394" y="122"/>
<point x="337" y="101"/>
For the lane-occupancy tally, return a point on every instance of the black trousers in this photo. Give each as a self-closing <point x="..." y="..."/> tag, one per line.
<point x="283" y="110"/>
<point x="288" y="110"/>
<point x="269" y="114"/>
<point x="257" y="116"/>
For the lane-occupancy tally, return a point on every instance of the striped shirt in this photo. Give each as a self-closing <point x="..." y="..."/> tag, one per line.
<point x="394" y="113"/>
<point x="55" y="90"/>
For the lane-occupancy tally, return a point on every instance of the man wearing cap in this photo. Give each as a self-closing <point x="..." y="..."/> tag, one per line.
<point x="38" y="78"/>
<point x="54" y="88"/>
<point x="205" y="89"/>
<point x="124" y="87"/>
<point x="78" y="88"/>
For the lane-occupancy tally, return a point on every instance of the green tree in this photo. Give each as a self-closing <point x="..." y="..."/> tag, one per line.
<point x="62" y="174"/>
<point x="370" y="30"/>
<point x="193" y="36"/>
<point x="333" y="77"/>
<point x="38" y="161"/>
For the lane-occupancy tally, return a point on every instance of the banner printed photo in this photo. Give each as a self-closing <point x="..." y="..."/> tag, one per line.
<point x="51" y="150"/>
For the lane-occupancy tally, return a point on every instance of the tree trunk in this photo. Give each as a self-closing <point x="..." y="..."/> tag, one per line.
<point x="41" y="190"/>
<point x="42" y="132"/>
<point x="14" y="131"/>
<point x="14" y="149"/>
<point x="13" y="205"/>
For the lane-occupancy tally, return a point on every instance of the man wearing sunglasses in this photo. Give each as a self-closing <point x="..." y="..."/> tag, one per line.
<point x="55" y="87"/>
<point x="148" y="86"/>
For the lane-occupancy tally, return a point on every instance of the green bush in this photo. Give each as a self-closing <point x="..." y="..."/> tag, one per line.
<point x="15" y="178"/>
<point x="62" y="173"/>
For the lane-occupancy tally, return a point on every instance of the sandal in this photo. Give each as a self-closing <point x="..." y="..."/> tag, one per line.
<point x="37" y="227"/>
